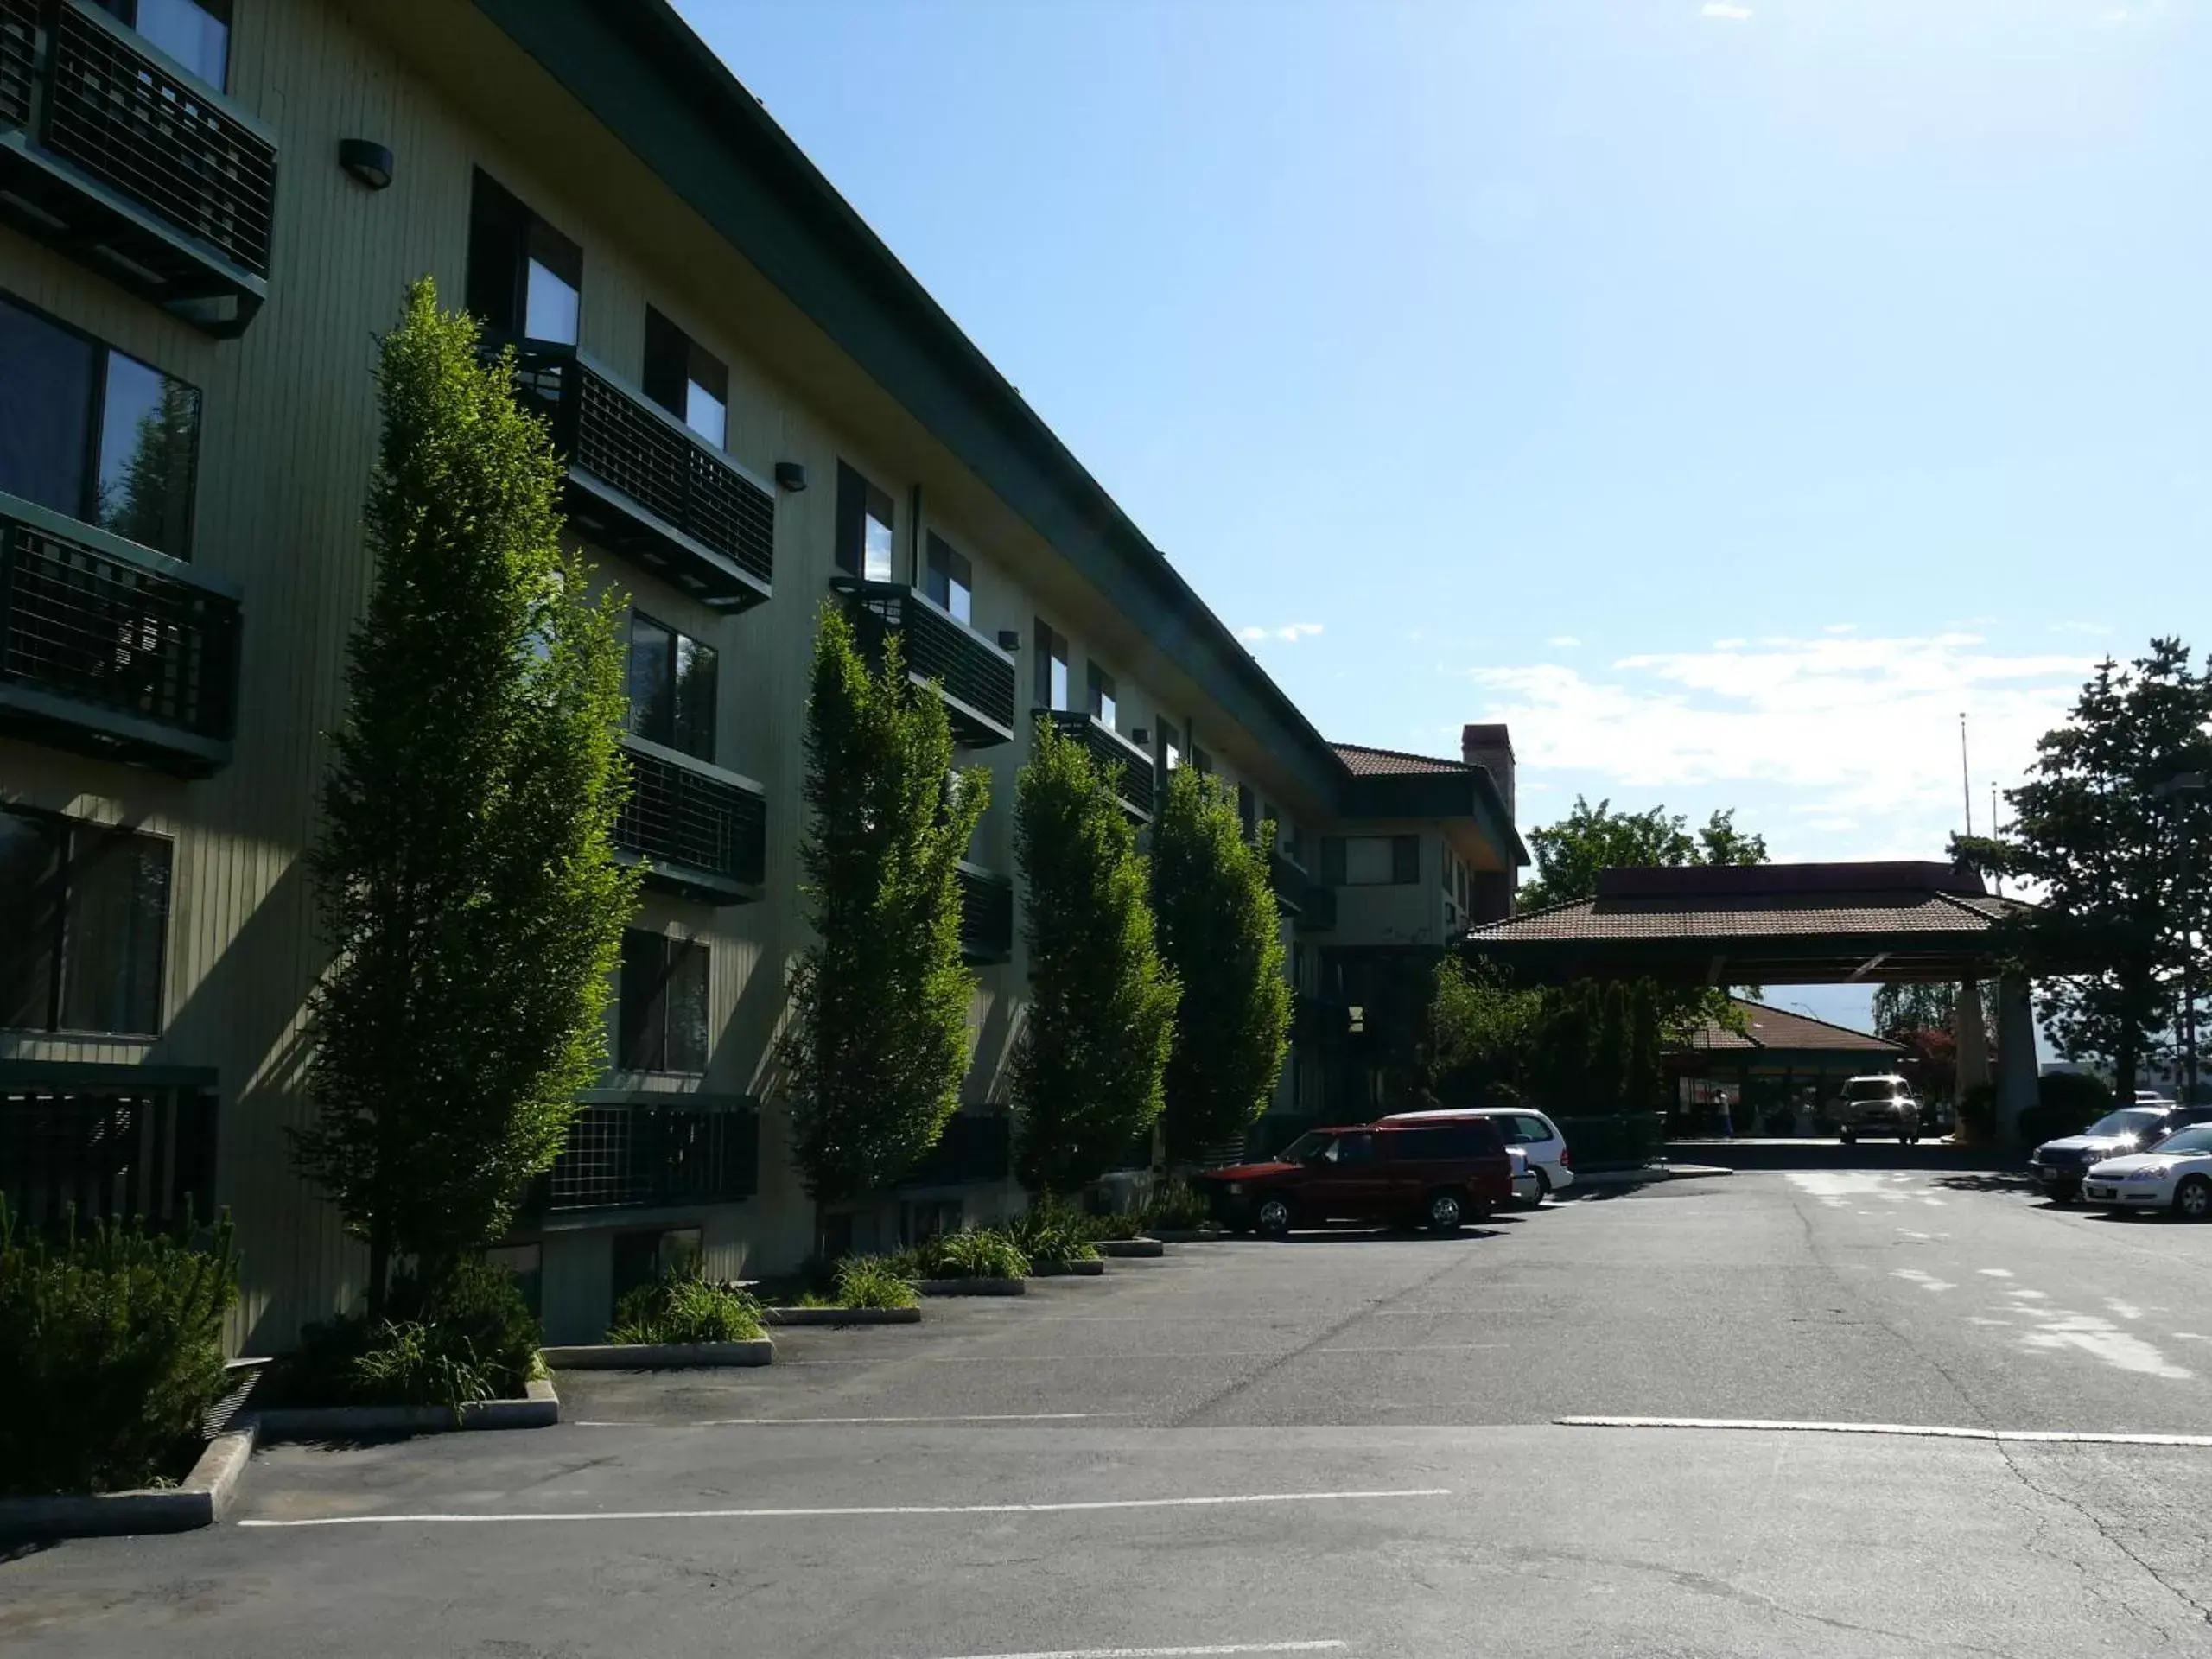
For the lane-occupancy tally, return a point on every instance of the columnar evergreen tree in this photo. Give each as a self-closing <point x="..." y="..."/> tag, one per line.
<point x="1088" y="1066"/>
<point x="878" y="1042"/>
<point x="1219" y="933"/>
<point x="465" y="870"/>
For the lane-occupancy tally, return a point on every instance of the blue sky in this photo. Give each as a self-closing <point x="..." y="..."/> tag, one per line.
<point x="1726" y="395"/>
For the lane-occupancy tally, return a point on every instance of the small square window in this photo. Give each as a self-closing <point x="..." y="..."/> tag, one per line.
<point x="950" y="579"/>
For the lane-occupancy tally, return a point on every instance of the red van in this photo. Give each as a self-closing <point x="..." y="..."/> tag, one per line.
<point x="1437" y="1172"/>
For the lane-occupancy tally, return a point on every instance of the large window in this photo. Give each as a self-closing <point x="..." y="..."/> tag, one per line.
<point x="863" y="526"/>
<point x="525" y="279"/>
<point x="83" y="910"/>
<point x="1248" y="811"/>
<point x="1104" y="708"/>
<point x="663" y="1001"/>
<point x="686" y="379"/>
<point x="92" y="432"/>
<point x="1370" y="860"/>
<point x="1052" y="687"/>
<point x="948" y="578"/>
<point x="1170" y="746"/>
<point x="196" y="33"/>
<point x="672" y="688"/>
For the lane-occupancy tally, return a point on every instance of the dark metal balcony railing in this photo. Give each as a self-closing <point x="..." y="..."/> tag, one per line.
<point x="1290" y="883"/>
<point x="111" y="649"/>
<point x="703" y="831"/>
<point x="645" y="486"/>
<point x="985" y="915"/>
<point x="975" y="1147"/>
<point x="637" y="1156"/>
<point x="117" y="155"/>
<point x="974" y="677"/>
<point x="1127" y="766"/>
<point x="107" y="1152"/>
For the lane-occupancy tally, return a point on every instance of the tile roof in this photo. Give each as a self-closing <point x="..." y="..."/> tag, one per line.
<point x="1362" y="761"/>
<point x="1771" y="1027"/>
<point x="1750" y="917"/>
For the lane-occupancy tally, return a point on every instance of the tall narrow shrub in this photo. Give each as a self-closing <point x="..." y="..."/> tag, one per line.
<point x="878" y="1042"/>
<point x="464" y="870"/>
<point x="1088" y="1066"/>
<point x="1221" y="934"/>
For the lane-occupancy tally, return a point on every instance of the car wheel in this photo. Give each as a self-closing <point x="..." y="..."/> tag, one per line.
<point x="1543" y="1191"/>
<point x="1445" y="1212"/>
<point x="1273" y="1218"/>
<point x="2193" y="1198"/>
<point x="1849" y="1137"/>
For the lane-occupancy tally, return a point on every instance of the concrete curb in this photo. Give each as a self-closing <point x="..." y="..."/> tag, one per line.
<point x="540" y="1409"/>
<point x="972" y="1286"/>
<point x="659" y="1355"/>
<point x="1131" y="1248"/>
<point x="201" y="1500"/>
<point x="1604" y="1177"/>
<point x="839" y="1316"/>
<point x="1066" y="1270"/>
<point x="1187" y="1235"/>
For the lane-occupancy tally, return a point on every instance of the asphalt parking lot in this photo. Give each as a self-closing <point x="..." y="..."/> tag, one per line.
<point x="1344" y="1443"/>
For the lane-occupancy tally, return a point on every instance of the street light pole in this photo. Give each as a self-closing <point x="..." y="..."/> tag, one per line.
<point x="2180" y="789"/>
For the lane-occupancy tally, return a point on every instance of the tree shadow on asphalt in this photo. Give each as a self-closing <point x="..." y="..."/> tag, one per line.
<point x="1993" y="1180"/>
<point x="1490" y="1229"/>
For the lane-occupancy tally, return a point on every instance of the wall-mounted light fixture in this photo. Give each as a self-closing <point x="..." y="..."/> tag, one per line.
<point x="1142" y="737"/>
<point x="791" y="475"/>
<point x="366" y="162"/>
<point x="1009" y="640"/>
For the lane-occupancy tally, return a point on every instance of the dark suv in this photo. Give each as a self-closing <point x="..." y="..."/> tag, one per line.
<point x="1437" y="1172"/>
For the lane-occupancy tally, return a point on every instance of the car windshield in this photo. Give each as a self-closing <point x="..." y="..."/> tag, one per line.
<point x="2131" y="1121"/>
<point x="2196" y="1140"/>
<point x="1869" y="1088"/>
<point x="1309" y="1147"/>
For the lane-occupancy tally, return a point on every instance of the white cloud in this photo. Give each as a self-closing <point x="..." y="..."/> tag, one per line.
<point x="1563" y="640"/>
<point x="1290" y="633"/>
<point x="1840" y="747"/>
<point x="1726" y="13"/>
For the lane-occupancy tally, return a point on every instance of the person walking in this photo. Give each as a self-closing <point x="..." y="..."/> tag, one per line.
<point x="1727" y="1122"/>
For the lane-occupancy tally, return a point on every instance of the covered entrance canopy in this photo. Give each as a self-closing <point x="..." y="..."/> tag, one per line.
<point x="1757" y="924"/>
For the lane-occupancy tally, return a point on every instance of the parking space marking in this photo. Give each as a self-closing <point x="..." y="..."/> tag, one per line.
<point x="850" y="1422"/>
<point x="2037" y="1436"/>
<point x="1224" y="1501"/>
<point x="1170" y="1652"/>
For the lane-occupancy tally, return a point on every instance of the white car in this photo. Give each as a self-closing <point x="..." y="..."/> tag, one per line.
<point x="1527" y="1132"/>
<point x="1527" y="1188"/>
<point x="2176" y="1175"/>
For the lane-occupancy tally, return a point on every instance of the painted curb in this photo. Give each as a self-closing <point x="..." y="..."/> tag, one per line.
<point x="1131" y="1248"/>
<point x="972" y="1286"/>
<point x="1066" y="1270"/>
<point x="659" y="1355"/>
<point x="841" y="1316"/>
<point x="1187" y="1235"/>
<point x="540" y="1409"/>
<point x="201" y="1500"/>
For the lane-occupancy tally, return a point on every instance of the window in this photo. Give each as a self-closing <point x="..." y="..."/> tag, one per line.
<point x="83" y="911"/>
<point x="672" y="688"/>
<point x="1445" y="1141"/>
<point x="1052" y="688"/>
<point x="686" y="379"/>
<point x="92" y="432"/>
<point x="640" y="1258"/>
<point x="1290" y="843"/>
<point x="864" y="527"/>
<point x="1370" y="860"/>
<point x="1101" y="696"/>
<point x="1248" y="807"/>
<point x="1201" y="759"/>
<point x="196" y="33"/>
<point x="948" y="578"/>
<point x="525" y="279"/>
<point x="923" y="1219"/>
<point x="663" y="1003"/>
<point x="1354" y="1151"/>
<point x="1170" y="746"/>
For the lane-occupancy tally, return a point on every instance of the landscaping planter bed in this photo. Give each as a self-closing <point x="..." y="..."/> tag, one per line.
<point x="659" y="1356"/>
<point x="1126" y="1249"/>
<point x="198" y="1501"/>
<point x="1066" y="1270"/>
<point x="841" y="1316"/>
<point x="972" y="1286"/>
<point x="540" y="1409"/>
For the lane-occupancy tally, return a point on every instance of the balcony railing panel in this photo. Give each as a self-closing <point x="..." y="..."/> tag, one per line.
<point x="985" y="915"/>
<point x="124" y="158"/>
<point x="1127" y="767"/>
<point x="111" y="649"/>
<point x="120" y="1152"/>
<point x="646" y="488"/>
<point x="640" y="1156"/>
<point x="705" y="832"/>
<point x="972" y="674"/>
<point x="1290" y="883"/>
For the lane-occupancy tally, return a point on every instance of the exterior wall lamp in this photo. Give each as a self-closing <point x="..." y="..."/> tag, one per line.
<point x="791" y="476"/>
<point x="366" y="162"/>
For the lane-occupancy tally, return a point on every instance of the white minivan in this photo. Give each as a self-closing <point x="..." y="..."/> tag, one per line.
<point x="1528" y="1132"/>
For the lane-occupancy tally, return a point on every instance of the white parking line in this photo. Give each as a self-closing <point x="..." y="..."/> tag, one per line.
<point x="1226" y="1501"/>
<point x="848" y="1422"/>
<point x="1169" y="1653"/>
<point x="2059" y="1437"/>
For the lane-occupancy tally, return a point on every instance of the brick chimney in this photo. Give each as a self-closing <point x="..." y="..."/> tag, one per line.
<point x="1491" y="747"/>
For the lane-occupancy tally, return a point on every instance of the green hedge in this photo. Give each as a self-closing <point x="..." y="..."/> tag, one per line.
<point x="1620" y="1141"/>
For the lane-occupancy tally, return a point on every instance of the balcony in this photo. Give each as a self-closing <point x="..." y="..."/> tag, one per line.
<point x="1290" y="883"/>
<point x="647" y="488"/>
<point x="113" y="650"/>
<point x="126" y="161"/>
<point x="639" y="1154"/>
<point x="106" y="1140"/>
<point x="975" y="1147"/>
<point x="702" y="832"/>
<point x="985" y="915"/>
<point x="1127" y="768"/>
<point x="972" y="676"/>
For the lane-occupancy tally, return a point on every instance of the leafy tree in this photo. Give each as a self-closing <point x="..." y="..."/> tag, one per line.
<point x="464" y="871"/>
<point x="2089" y="834"/>
<point x="1569" y="854"/>
<point x="1088" y="1065"/>
<point x="1900" y="1009"/>
<point x="878" y="1042"/>
<point x="1220" y="936"/>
